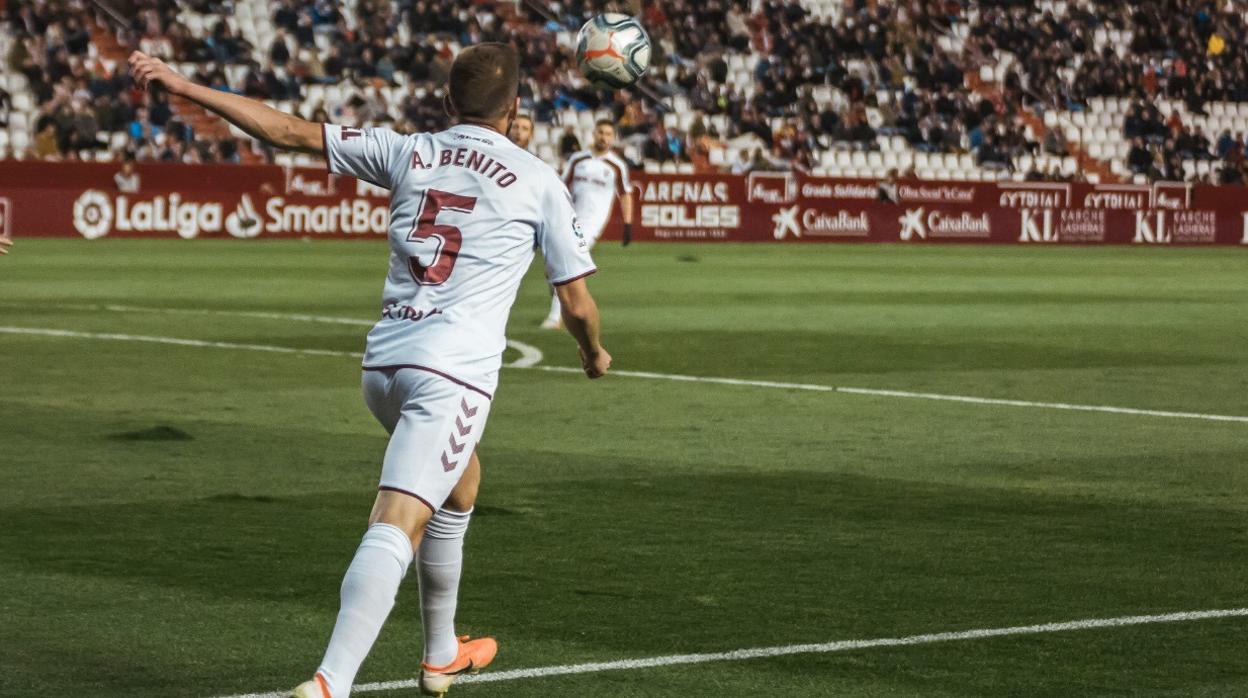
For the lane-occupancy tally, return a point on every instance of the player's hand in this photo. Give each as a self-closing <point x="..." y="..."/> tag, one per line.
<point x="596" y="364"/>
<point x="149" y="72"/>
<point x="5" y="244"/>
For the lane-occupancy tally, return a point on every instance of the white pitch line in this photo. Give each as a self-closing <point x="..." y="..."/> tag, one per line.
<point x="48" y="332"/>
<point x="787" y="650"/>
<point x="1047" y="405"/>
<point x="700" y="379"/>
<point x="530" y="357"/>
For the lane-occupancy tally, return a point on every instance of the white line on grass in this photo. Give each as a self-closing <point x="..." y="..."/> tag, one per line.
<point x="1046" y="405"/>
<point x="787" y="650"/>
<point x="531" y="356"/>
<point x="48" y="332"/>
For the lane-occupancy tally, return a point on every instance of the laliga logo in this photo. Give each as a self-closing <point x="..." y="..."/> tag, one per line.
<point x="93" y="214"/>
<point x="912" y="224"/>
<point x="786" y="222"/>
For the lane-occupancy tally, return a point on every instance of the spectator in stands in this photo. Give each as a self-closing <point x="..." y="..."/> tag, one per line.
<point x="127" y="180"/>
<point x="141" y="128"/>
<point x="47" y="145"/>
<point x="1138" y="158"/>
<point x="1055" y="143"/>
<point x="569" y="143"/>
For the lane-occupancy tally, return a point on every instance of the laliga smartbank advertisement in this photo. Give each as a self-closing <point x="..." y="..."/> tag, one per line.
<point x="95" y="201"/>
<point x="98" y="201"/>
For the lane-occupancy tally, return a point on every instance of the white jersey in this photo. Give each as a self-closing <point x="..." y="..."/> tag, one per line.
<point x="595" y="181"/>
<point x="467" y="209"/>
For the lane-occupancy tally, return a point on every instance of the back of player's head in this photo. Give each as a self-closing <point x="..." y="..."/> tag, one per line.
<point x="484" y="81"/>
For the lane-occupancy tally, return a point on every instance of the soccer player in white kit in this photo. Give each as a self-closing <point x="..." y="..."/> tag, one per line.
<point x="595" y="177"/>
<point x="467" y="209"/>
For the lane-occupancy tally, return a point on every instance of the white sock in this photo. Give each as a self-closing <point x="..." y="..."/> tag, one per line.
<point x="556" y="310"/>
<point x="368" y="591"/>
<point x="440" y="562"/>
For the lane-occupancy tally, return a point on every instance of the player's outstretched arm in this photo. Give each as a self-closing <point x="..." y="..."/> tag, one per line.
<point x="258" y="120"/>
<point x="580" y="316"/>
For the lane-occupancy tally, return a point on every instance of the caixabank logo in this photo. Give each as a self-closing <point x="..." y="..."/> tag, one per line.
<point x="796" y="221"/>
<point x="922" y="224"/>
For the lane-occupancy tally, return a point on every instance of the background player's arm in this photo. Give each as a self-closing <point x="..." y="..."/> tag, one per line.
<point x="626" y="207"/>
<point x="5" y="243"/>
<point x="258" y="120"/>
<point x="580" y="316"/>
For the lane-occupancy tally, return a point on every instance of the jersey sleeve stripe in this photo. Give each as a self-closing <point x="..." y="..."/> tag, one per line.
<point x="619" y="177"/>
<point x="572" y="163"/>
<point x="565" y="282"/>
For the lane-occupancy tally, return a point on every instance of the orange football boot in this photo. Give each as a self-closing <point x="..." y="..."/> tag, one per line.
<point x="316" y="688"/>
<point x="474" y="655"/>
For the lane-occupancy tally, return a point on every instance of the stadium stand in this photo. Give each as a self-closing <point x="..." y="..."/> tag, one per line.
<point x="1054" y="90"/>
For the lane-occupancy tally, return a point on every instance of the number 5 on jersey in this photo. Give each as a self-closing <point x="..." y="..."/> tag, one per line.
<point x="437" y="244"/>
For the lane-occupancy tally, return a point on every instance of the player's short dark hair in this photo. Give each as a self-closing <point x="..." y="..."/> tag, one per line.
<point x="524" y="115"/>
<point x="605" y="122"/>
<point x="484" y="81"/>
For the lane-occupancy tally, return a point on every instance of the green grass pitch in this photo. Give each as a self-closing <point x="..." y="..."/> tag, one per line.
<point x="175" y="521"/>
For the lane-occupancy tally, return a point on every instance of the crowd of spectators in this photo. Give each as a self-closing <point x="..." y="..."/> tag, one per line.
<point x="1192" y="51"/>
<point x="871" y="72"/>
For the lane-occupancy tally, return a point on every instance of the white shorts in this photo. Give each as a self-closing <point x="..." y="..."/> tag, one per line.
<point x="434" y="424"/>
<point x="593" y="225"/>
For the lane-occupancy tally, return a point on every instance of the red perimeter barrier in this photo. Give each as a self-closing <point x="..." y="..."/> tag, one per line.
<point x="82" y="200"/>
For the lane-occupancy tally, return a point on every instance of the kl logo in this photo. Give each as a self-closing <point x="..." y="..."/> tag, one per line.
<point x="786" y="222"/>
<point x="1037" y="231"/>
<point x="1151" y="231"/>
<point x="912" y="224"/>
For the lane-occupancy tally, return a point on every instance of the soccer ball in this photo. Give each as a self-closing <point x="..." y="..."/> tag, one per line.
<point x="612" y="51"/>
